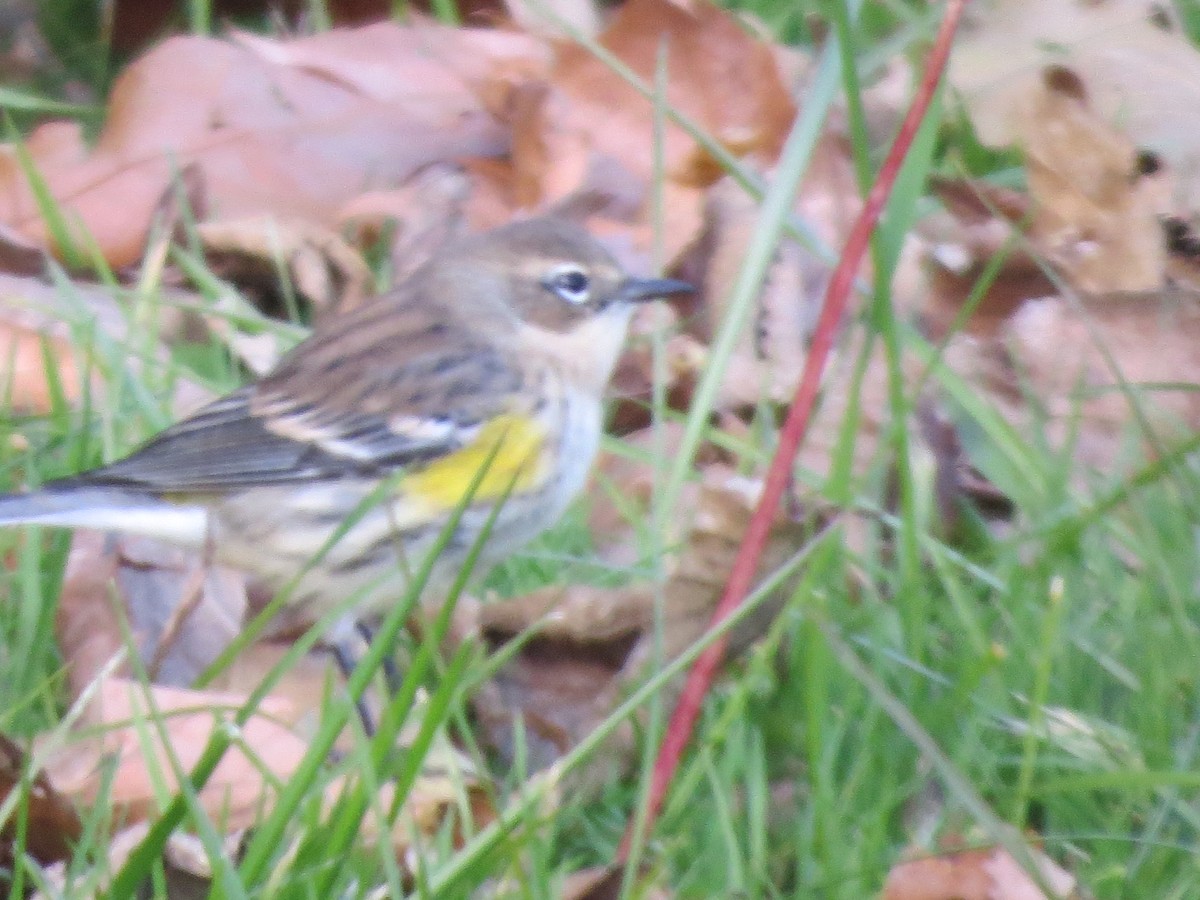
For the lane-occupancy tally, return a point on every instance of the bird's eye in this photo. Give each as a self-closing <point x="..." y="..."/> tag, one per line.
<point x="571" y="284"/>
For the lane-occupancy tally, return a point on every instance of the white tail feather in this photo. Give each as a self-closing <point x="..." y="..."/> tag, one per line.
<point x="108" y="510"/>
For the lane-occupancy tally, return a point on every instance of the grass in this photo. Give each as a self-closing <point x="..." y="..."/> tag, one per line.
<point x="1052" y="669"/>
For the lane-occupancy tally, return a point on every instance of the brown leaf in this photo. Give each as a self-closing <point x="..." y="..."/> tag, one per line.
<point x="427" y="212"/>
<point x="290" y="128"/>
<point x="424" y="67"/>
<point x="578" y="17"/>
<point x="186" y="867"/>
<point x="128" y="763"/>
<point x="986" y="874"/>
<point x="979" y="222"/>
<point x="1183" y="252"/>
<point x="563" y="681"/>
<point x="51" y="822"/>
<point x="18" y="254"/>
<point x="1097" y="217"/>
<point x="771" y="351"/>
<point x="773" y="346"/>
<point x="33" y="310"/>
<point x="433" y="802"/>
<point x="181" y="613"/>
<point x="1052" y="368"/>
<point x="551" y="154"/>
<point x="591" y="642"/>
<point x="301" y="687"/>
<point x="1139" y="69"/>
<point x="633" y="383"/>
<point x="239" y="787"/>
<point x="620" y="505"/>
<point x="41" y="364"/>
<point x="325" y="271"/>
<point x="719" y="75"/>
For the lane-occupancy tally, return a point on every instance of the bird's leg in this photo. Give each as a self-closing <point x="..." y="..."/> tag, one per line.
<point x="344" y="656"/>
<point x="391" y="672"/>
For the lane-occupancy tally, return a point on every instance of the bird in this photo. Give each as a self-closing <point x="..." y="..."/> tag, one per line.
<point x="475" y="386"/>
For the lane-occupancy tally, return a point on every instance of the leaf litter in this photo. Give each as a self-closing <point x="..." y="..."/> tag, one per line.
<point x="305" y="154"/>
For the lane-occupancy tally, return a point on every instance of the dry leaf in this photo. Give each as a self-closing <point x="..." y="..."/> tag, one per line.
<point x="51" y="823"/>
<point x="1183" y="252"/>
<point x="591" y="643"/>
<point x="325" y="271"/>
<point x="1096" y="216"/>
<point x="1054" y="359"/>
<point x="987" y="874"/>
<point x="772" y="349"/>
<point x="719" y="75"/>
<point x="182" y="614"/>
<point x="565" y="680"/>
<point x="979" y="222"/>
<point x="39" y="364"/>
<point x="551" y="154"/>
<point x="620" y="517"/>
<point x="128" y="763"/>
<point x="185" y="865"/>
<point x="633" y="382"/>
<point x="565" y="19"/>
<point x="18" y="254"/>
<point x="235" y="795"/>
<point x="773" y="346"/>
<point x="292" y="129"/>
<point x="1137" y="69"/>
<point x="427" y="212"/>
<point x="41" y="325"/>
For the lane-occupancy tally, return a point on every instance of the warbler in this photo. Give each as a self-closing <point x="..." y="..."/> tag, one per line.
<point x="484" y="369"/>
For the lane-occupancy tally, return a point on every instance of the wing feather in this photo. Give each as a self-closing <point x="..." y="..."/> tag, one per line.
<point x="315" y="418"/>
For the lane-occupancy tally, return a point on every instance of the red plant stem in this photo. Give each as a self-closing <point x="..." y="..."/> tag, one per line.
<point x="745" y="566"/>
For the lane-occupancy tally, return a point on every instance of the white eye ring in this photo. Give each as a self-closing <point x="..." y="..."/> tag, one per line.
<point x="571" y="283"/>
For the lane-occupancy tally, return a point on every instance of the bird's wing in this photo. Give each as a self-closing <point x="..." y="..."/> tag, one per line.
<point x="392" y="391"/>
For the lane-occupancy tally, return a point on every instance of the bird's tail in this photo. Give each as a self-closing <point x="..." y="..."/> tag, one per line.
<point x="106" y="509"/>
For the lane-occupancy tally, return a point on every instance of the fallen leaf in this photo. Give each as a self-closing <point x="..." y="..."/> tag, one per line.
<point x="324" y="271"/>
<point x="186" y="867"/>
<point x="51" y="824"/>
<point x="181" y="613"/>
<point x="634" y="381"/>
<point x="34" y="312"/>
<point x="979" y="222"/>
<point x="984" y="874"/>
<point x="1096" y="215"/>
<point x="590" y="643"/>
<point x="1138" y="69"/>
<point x="128" y="764"/>
<point x="141" y="755"/>
<point x="18" y="254"/>
<point x="293" y="129"/>
<point x="1066" y="367"/>
<point x="772" y="348"/>
<point x="719" y="75"/>
<point x="426" y="212"/>
<point x="566" y="19"/>
<point x="41" y="363"/>
<point x="1183" y="252"/>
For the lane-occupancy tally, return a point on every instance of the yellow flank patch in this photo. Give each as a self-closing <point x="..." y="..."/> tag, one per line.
<point x="511" y="448"/>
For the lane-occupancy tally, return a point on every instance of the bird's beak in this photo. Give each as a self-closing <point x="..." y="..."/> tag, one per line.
<point x="639" y="290"/>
